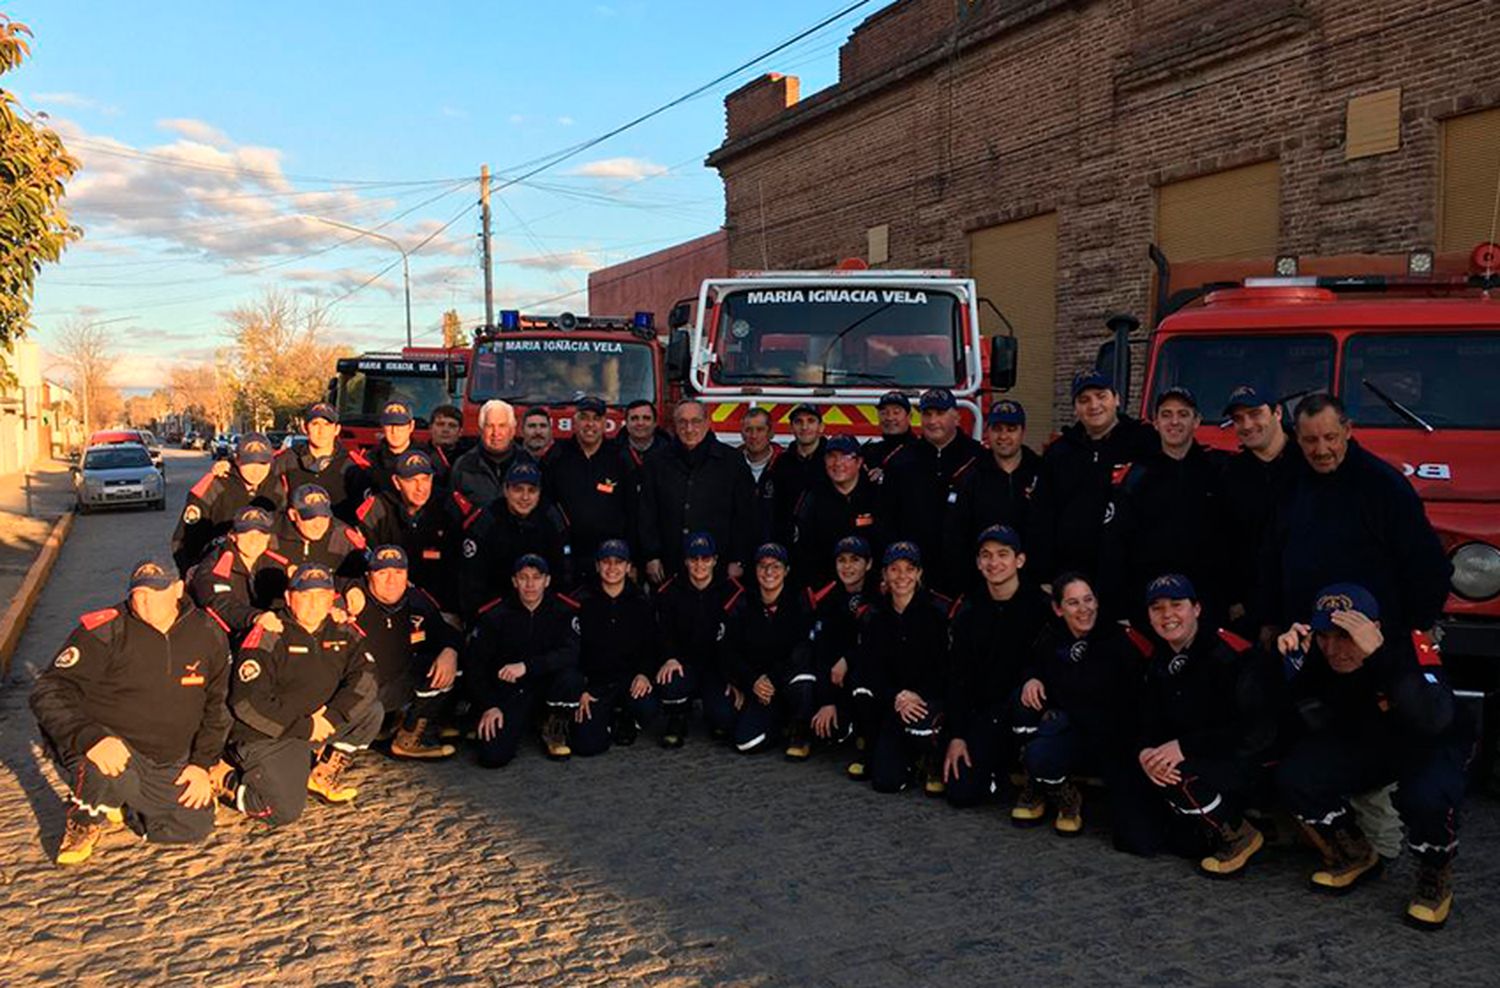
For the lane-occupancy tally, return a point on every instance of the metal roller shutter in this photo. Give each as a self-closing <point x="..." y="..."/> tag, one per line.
<point x="1470" y="180"/>
<point x="1229" y="214"/>
<point x="1015" y="265"/>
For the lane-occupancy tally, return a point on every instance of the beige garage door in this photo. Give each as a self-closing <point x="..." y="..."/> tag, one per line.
<point x="1229" y="214"/>
<point x="1470" y="180"/>
<point x="1015" y="265"/>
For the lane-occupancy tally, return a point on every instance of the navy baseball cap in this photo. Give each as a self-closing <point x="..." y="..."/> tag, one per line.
<point x="312" y="501"/>
<point x="1342" y="597"/>
<point x="1087" y="379"/>
<point x="937" y="400"/>
<point x="1176" y="393"/>
<point x="612" y="549"/>
<point x="894" y="398"/>
<point x="1006" y="412"/>
<point x="253" y="519"/>
<point x="322" y="410"/>
<point x="591" y="403"/>
<point x="897" y="551"/>
<point x="413" y="463"/>
<point x="530" y="560"/>
<point x="150" y="575"/>
<point x="1170" y="586"/>
<point x="311" y="576"/>
<point x="842" y="444"/>
<point x="852" y="545"/>
<point x="1244" y="396"/>
<point x="699" y="545"/>
<point x="771" y="550"/>
<point x="387" y="557"/>
<point x="396" y="413"/>
<point x="1003" y="534"/>
<point x="254" y="448"/>
<point x="523" y="472"/>
<point x="805" y="409"/>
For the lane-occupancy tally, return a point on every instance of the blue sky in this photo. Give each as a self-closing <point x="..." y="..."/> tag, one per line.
<point x="213" y="134"/>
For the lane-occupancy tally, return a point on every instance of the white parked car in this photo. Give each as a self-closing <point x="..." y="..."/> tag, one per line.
<point x="118" y="474"/>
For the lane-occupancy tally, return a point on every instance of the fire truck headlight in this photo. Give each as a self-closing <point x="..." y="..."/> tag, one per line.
<point x="1476" y="571"/>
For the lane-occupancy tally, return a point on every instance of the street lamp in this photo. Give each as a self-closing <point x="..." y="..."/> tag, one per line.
<point x="405" y="260"/>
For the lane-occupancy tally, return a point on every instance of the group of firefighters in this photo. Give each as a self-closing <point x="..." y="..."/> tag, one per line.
<point x="1210" y="635"/>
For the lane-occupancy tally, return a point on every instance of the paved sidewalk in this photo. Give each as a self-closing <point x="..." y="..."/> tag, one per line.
<point x="21" y="536"/>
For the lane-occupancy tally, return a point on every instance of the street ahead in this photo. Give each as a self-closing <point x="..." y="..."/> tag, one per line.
<point x="655" y="867"/>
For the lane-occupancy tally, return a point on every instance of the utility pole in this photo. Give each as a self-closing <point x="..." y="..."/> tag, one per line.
<point x="489" y="274"/>
<point x="405" y="260"/>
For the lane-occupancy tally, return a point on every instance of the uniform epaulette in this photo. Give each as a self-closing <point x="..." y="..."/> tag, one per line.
<point x="224" y="565"/>
<point x="465" y="506"/>
<point x="1234" y="641"/>
<point x="257" y="638"/>
<point x="1120" y="472"/>
<point x="1428" y="653"/>
<point x="955" y="607"/>
<point x="217" y="620"/>
<point x="667" y="583"/>
<point x="861" y="611"/>
<point x="485" y="608"/>
<point x="359" y="459"/>
<point x="97" y="619"/>
<point x="472" y="517"/>
<point x="818" y="596"/>
<point x="353" y="626"/>
<point x="356" y="537"/>
<point x="568" y="600"/>
<point x="563" y="515"/>
<point x="430" y="598"/>
<point x="960" y="471"/>
<point x="363" y="510"/>
<point x="204" y="483"/>
<point x="277" y="557"/>
<point x="739" y="591"/>
<point x="1141" y="642"/>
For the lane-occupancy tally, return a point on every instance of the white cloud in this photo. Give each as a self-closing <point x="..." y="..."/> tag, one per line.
<point x="74" y="101"/>
<point x="568" y="260"/>
<point x="565" y="121"/>
<point x="628" y="169"/>
<point x="517" y="118"/>
<point x="454" y="112"/>
<point x="196" y="130"/>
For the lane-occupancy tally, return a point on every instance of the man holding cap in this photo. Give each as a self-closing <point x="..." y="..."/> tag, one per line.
<point x="133" y="706"/>
<point x="1254" y="480"/>
<point x="310" y="534"/>
<point x="617" y="656"/>
<point x="239" y="587"/>
<point x="1207" y="724"/>
<point x="522" y="653"/>
<point x="921" y="487"/>
<point x="416" y="655"/>
<point x="843" y="504"/>
<point x="324" y="461"/>
<point x="1075" y="488"/>
<point x="516" y="524"/>
<point x="1371" y="706"/>
<point x="428" y="528"/>
<point x="692" y="611"/>
<point x="998" y="490"/>
<point x="396" y="427"/>
<point x="589" y="479"/>
<point x="894" y="409"/>
<point x="798" y="469"/>
<point x="304" y="702"/>
<point x="212" y="502"/>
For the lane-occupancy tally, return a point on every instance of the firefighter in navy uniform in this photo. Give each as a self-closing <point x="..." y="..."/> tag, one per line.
<point x="1207" y="725"/>
<point x="422" y="520"/>
<point x="1370" y="705"/>
<point x="797" y="470"/>
<point x="416" y="655"/>
<point x="766" y="658"/>
<point x="1254" y="480"/>
<point x="761" y="453"/>
<point x="995" y="630"/>
<point x="692" y="611"/>
<point x="842" y="709"/>
<point x="447" y="442"/>
<point x="894" y="410"/>
<point x="324" y="461"/>
<point x="998" y="490"/>
<point x="522" y="653"/>
<point x="310" y="534"/>
<point x="617" y="656"/>
<point x="516" y="524"/>
<point x="304" y="702"/>
<point x="1079" y="472"/>
<point x="241" y="585"/>
<point x="587" y="478"/>
<point x="212" y="502"/>
<point x="134" y="707"/>
<point x="396" y="427"/>
<point x="901" y="657"/>
<point x="844" y="503"/>
<point x="921" y="487"/>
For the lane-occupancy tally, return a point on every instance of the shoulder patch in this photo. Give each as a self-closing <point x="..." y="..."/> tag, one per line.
<point x="95" y="619"/>
<point x="225" y="564"/>
<point x="1141" y="642"/>
<point x="67" y="658"/>
<point x="1234" y="641"/>
<point x="249" y="671"/>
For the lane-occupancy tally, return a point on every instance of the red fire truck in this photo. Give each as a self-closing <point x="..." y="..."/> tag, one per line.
<point x="1411" y="345"/>
<point x="837" y="339"/>
<point x="555" y="360"/>
<point x="425" y="377"/>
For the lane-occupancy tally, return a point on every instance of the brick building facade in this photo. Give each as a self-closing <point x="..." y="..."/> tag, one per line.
<point x="1042" y="144"/>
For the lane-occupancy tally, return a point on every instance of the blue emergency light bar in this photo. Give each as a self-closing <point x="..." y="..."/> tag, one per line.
<point x="510" y="320"/>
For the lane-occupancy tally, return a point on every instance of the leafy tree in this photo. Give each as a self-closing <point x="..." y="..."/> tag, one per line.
<point x="453" y="329"/>
<point x="34" y="166"/>
<point x="279" y="362"/>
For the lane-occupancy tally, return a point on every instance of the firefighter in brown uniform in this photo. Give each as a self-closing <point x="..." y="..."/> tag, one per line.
<point x="239" y="586"/>
<point x="310" y="534"/>
<point x="133" y="705"/>
<point x="304" y="702"/>
<point x="212" y="502"/>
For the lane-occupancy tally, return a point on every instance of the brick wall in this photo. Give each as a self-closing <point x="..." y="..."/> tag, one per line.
<point x="1086" y="107"/>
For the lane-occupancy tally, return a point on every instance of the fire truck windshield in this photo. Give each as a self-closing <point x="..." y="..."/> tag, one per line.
<point x="560" y="371"/>
<point x="1424" y="373"/>
<point x="839" y="334"/>
<point x="361" y="396"/>
<point x="1213" y="366"/>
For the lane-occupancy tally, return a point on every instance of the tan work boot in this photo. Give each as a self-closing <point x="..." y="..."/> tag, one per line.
<point x="1069" y="822"/>
<point x="80" y="837"/>
<point x="1348" y="858"/>
<point x="555" y="738"/>
<point x="1031" y="806"/>
<point x="1236" y="846"/>
<point x="1429" y="908"/>
<point x="326" y="780"/>
<point x="411" y="742"/>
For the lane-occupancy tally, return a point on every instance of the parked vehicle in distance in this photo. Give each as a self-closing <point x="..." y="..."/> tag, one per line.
<point x="141" y="437"/>
<point x="191" y="440"/>
<point x="293" y="440"/>
<point x="277" y="437"/>
<point x="223" y="447"/>
<point x="118" y="474"/>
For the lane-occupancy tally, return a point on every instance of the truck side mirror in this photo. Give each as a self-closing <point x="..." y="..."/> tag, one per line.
<point x="680" y="316"/>
<point x="1003" y="353"/>
<point x="677" y="354"/>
